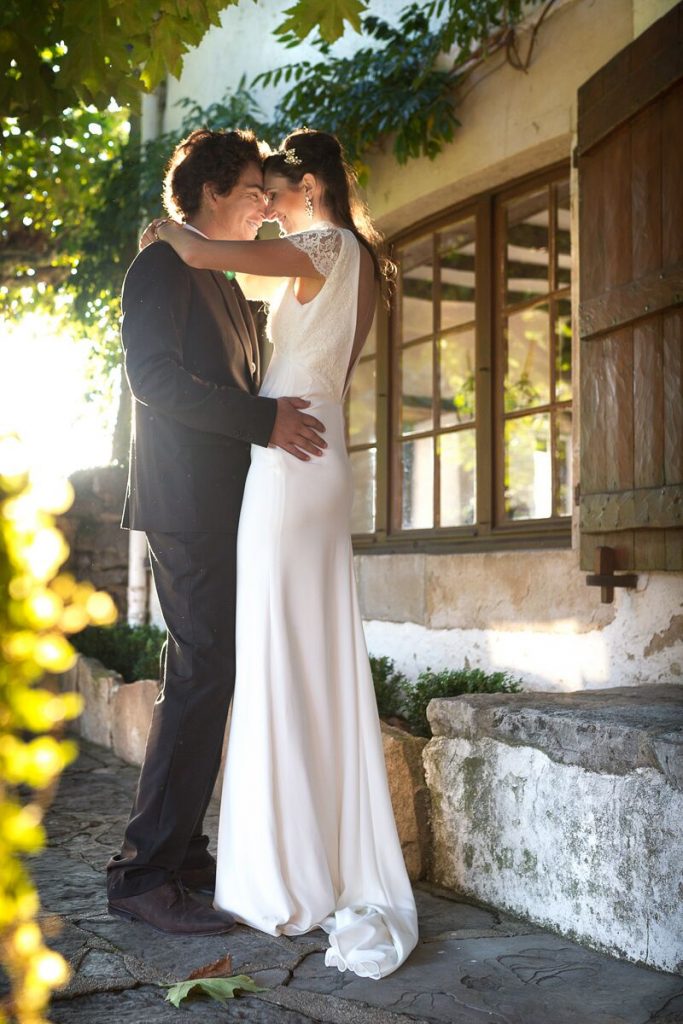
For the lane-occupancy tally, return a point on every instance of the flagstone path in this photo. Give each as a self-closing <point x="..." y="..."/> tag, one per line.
<point x="472" y="966"/>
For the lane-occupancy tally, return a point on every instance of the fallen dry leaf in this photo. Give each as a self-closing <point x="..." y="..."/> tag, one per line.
<point x="221" y="968"/>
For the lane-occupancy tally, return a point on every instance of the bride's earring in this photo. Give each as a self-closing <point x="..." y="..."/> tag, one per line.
<point x="308" y="203"/>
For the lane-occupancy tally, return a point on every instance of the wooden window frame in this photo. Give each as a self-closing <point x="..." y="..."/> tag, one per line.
<point x="490" y="532"/>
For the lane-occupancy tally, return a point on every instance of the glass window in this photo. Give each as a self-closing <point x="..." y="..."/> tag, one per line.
<point x="364" y="475"/>
<point x="473" y="377"/>
<point x="526" y="251"/>
<point x="417" y="290"/>
<point x="456" y="274"/>
<point x="435" y="360"/>
<point x="417" y="471"/>
<point x="535" y="333"/>
<point x="361" y="437"/>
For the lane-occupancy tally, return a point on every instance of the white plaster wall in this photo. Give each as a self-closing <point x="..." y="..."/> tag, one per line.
<point x="528" y="613"/>
<point x="245" y="45"/>
<point x="594" y="856"/>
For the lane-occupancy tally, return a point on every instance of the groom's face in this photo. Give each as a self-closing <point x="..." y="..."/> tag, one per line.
<point x="238" y="215"/>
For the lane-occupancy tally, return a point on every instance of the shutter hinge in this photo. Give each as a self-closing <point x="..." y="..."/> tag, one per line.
<point x="577" y="494"/>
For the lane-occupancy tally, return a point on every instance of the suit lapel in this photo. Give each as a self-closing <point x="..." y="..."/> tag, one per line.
<point x="242" y="325"/>
<point x="251" y="327"/>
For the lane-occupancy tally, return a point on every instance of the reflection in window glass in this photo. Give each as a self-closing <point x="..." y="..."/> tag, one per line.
<point x="370" y="346"/>
<point x="563" y="456"/>
<point x="457" y="454"/>
<point x="417" y="318"/>
<point x="563" y="236"/>
<point x="528" y="467"/>
<point x="361" y="408"/>
<point x="527" y="370"/>
<point x="416" y="380"/>
<point x="480" y="341"/>
<point x="563" y="356"/>
<point x="456" y="257"/>
<point x="456" y="374"/>
<point x="364" y="474"/>
<point x="417" y="471"/>
<point x="527" y="247"/>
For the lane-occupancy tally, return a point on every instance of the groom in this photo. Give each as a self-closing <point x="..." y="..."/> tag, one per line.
<point x="192" y="362"/>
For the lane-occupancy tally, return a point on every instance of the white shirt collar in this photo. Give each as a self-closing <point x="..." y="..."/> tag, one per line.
<point x="190" y="227"/>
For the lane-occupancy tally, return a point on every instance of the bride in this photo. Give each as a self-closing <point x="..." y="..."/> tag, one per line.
<point x="307" y="837"/>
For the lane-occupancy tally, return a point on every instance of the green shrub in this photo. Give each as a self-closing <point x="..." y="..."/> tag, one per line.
<point x="133" y="651"/>
<point x="450" y="684"/>
<point x="390" y="685"/>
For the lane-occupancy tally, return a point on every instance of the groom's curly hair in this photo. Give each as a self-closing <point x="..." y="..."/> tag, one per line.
<point x="205" y="156"/>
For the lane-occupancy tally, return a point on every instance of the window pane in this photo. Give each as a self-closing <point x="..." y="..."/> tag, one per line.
<point x="527" y="370"/>
<point x="417" y="318"/>
<point x="563" y="426"/>
<point x="456" y="255"/>
<point x="528" y="467"/>
<point x="527" y="247"/>
<point x="416" y="381"/>
<point x="456" y="372"/>
<point x="563" y="237"/>
<point x="364" y="473"/>
<point x="563" y="358"/>
<point x="362" y="406"/>
<point x="457" y="453"/>
<point x="417" y="466"/>
<point x="370" y="346"/>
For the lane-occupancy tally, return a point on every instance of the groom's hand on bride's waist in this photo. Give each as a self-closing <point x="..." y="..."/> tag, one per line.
<point x="295" y="431"/>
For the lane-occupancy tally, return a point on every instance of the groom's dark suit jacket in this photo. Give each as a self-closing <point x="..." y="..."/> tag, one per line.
<point x="192" y="362"/>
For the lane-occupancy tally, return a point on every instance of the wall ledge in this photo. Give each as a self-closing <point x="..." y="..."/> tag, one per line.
<point x="613" y="731"/>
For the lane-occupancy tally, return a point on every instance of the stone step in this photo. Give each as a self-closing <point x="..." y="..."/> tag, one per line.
<point x="567" y="809"/>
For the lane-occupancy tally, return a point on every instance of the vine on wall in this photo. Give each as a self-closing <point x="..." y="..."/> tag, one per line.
<point x="400" y="90"/>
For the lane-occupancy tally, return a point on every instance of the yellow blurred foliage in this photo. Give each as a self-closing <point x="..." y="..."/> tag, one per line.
<point x="37" y="607"/>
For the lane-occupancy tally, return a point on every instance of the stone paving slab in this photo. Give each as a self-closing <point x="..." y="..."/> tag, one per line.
<point x="473" y="964"/>
<point x="510" y="980"/>
<point x="146" y="1006"/>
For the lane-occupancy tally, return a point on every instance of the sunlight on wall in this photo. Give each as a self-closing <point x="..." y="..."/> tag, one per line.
<point x="544" y="661"/>
<point x="43" y="384"/>
<point x="551" y="660"/>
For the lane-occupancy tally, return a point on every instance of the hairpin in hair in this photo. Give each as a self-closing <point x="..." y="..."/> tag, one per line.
<point x="291" y="157"/>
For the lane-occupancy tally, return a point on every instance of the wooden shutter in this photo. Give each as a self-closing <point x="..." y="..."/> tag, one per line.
<point x="630" y="161"/>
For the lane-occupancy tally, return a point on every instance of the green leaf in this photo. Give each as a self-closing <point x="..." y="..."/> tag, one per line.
<point x="326" y="15"/>
<point x="220" y="989"/>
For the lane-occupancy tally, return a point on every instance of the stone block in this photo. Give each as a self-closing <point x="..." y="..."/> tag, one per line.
<point x="97" y="685"/>
<point x="409" y="797"/>
<point x="506" y="590"/>
<point x="565" y="809"/>
<point x="614" y="730"/>
<point x="131" y="715"/>
<point x="391" y="587"/>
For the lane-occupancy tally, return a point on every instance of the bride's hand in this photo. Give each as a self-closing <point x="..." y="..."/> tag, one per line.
<point x="151" y="232"/>
<point x="174" y="233"/>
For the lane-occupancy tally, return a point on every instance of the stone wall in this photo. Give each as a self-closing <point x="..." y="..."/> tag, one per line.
<point x="566" y="809"/>
<point x="99" y="547"/>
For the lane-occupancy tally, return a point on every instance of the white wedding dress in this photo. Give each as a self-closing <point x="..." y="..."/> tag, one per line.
<point x="307" y="837"/>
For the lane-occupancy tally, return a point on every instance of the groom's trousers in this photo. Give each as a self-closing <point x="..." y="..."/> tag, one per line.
<point x="195" y="575"/>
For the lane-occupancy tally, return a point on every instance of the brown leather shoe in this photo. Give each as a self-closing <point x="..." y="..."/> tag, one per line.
<point x="199" y="879"/>
<point x="169" y="908"/>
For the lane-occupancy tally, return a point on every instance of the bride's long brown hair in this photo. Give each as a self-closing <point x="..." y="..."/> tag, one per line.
<point x="322" y="155"/>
